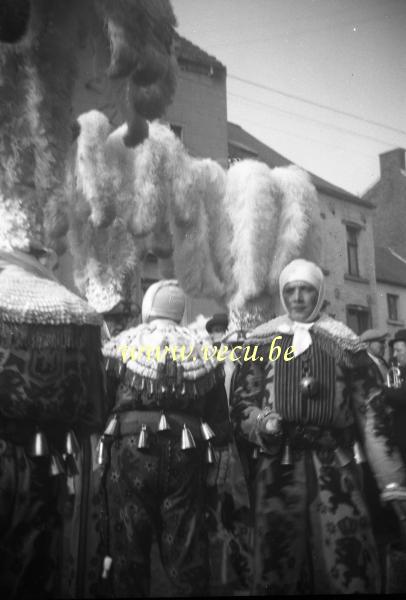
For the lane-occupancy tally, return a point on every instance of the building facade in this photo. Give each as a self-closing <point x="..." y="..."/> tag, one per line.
<point x="391" y="289"/>
<point x="347" y="253"/>
<point x="198" y="115"/>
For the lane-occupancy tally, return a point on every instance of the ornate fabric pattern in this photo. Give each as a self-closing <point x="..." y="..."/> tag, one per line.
<point x="44" y="384"/>
<point x="30" y="526"/>
<point x="161" y="491"/>
<point x="312" y="529"/>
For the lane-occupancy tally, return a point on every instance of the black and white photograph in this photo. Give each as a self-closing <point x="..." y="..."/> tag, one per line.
<point x="202" y="298"/>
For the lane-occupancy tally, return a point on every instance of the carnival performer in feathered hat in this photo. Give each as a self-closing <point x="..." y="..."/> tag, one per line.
<point x="302" y="405"/>
<point x="170" y="414"/>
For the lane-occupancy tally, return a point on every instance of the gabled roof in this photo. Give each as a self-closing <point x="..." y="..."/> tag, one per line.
<point x="390" y="267"/>
<point x="193" y="57"/>
<point x="238" y="137"/>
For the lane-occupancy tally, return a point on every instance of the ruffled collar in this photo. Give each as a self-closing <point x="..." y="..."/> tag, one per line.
<point x="334" y="337"/>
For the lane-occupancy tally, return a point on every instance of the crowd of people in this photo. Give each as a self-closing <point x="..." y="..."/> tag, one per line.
<point x="96" y="464"/>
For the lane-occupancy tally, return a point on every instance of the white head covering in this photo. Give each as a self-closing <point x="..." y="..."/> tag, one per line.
<point x="163" y="300"/>
<point x="309" y="272"/>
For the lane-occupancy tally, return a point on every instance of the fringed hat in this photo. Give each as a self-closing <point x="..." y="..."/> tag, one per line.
<point x="35" y="309"/>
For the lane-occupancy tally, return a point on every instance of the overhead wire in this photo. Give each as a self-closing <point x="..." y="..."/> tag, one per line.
<point x="314" y="103"/>
<point x="322" y="123"/>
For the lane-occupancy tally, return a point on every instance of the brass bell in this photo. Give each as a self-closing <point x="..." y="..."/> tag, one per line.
<point x="309" y="386"/>
<point x="71" y="444"/>
<point x="210" y="456"/>
<point x="359" y="455"/>
<point x="163" y="424"/>
<point x="255" y="453"/>
<point x="112" y="426"/>
<point x="143" y="441"/>
<point x="287" y="457"/>
<point x="188" y="442"/>
<point x="101" y="451"/>
<point x="39" y="445"/>
<point x="70" y="485"/>
<point x="56" y="465"/>
<point x="342" y="457"/>
<point x="107" y="562"/>
<point x="207" y="432"/>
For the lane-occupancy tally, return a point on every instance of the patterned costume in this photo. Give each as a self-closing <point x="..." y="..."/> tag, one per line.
<point x="312" y="529"/>
<point x="51" y="396"/>
<point x="156" y="480"/>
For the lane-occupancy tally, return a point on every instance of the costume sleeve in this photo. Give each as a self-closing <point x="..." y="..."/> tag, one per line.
<point x="216" y="414"/>
<point x="246" y="399"/>
<point x="375" y="426"/>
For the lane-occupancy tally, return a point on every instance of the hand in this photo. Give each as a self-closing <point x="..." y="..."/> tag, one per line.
<point x="392" y="492"/>
<point x="269" y="423"/>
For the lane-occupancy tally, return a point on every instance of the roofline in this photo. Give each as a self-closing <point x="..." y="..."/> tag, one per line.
<point x="342" y="195"/>
<point x="390" y="282"/>
<point x="347" y="196"/>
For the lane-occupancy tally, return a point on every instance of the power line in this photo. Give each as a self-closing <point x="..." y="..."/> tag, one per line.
<point x="330" y="125"/>
<point x="306" y="138"/>
<point x="313" y="103"/>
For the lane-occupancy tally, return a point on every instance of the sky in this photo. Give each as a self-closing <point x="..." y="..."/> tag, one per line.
<point x="330" y="75"/>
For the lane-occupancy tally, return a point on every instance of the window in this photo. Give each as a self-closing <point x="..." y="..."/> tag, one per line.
<point x="358" y="318"/>
<point x="393" y="313"/>
<point x="177" y="130"/>
<point x="352" y="250"/>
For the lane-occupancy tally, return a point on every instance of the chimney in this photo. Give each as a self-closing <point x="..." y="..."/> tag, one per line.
<point x="392" y="161"/>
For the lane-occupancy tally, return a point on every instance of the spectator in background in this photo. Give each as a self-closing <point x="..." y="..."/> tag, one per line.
<point x="217" y="327"/>
<point x="396" y="397"/>
<point x="376" y="344"/>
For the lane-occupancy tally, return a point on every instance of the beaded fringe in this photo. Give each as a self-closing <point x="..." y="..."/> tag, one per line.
<point x="19" y="335"/>
<point x="164" y="384"/>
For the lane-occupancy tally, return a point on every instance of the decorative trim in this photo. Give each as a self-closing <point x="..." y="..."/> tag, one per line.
<point x="48" y="336"/>
<point x="335" y="338"/>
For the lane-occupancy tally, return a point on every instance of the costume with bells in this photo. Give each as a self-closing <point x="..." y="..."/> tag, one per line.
<point x="51" y="400"/>
<point x="312" y="529"/>
<point x="169" y="416"/>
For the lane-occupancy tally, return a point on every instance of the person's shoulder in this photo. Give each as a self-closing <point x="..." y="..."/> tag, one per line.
<point x="339" y="331"/>
<point x="341" y="342"/>
<point x="267" y="331"/>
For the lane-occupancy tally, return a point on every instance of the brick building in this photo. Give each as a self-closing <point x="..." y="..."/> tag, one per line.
<point x="388" y="195"/>
<point x="391" y="289"/>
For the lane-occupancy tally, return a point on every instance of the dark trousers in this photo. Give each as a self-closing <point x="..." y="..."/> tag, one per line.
<point x="160" y="490"/>
<point x="30" y="525"/>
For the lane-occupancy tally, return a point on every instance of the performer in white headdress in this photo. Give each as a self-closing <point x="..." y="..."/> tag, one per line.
<point x="300" y="412"/>
<point x="168" y="417"/>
